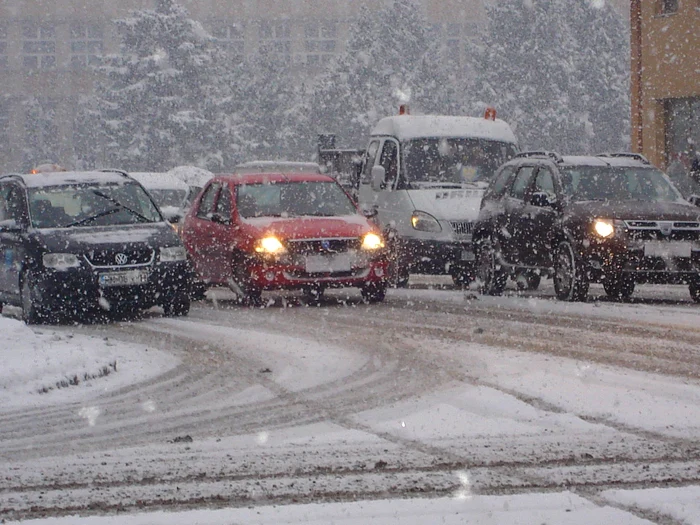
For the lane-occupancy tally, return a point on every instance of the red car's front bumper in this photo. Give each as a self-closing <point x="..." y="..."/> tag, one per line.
<point x="298" y="273"/>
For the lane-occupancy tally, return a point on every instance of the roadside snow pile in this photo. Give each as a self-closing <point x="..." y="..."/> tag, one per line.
<point x="53" y="365"/>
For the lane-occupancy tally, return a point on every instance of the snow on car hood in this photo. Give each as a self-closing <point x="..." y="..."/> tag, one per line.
<point x="312" y="227"/>
<point x="79" y="239"/>
<point x="448" y="204"/>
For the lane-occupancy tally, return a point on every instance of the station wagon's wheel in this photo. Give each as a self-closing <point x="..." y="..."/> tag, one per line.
<point x="374" y="293"/>
<point x="570" y="279"/>
<point x="491" y="275"/>
<point x="618" y="286"/>
<point x="32" y="312"/>
<point x="694" y="288"/>
<point x="178" y="306"/>
<point x="241" y="283"/>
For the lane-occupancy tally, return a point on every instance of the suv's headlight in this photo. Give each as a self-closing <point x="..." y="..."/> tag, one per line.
<point x="60" y="261"/>
<point x="173" y="254"/>
<point x="425" y="222"/>
<point x="372" y="241"/>
<point x="604" y="227"/>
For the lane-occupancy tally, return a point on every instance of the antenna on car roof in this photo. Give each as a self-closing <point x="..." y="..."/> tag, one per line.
<point x="551" y="154"/>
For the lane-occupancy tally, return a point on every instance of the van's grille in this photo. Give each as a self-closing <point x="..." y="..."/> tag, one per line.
<point x="462" y="227"/>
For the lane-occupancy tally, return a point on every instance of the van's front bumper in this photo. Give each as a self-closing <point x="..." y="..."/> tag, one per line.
<point x="436" y="257"/>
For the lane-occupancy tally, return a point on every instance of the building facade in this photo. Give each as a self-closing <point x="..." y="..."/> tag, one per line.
<point x="665" y="81"/>
<point x="47" y="48"/>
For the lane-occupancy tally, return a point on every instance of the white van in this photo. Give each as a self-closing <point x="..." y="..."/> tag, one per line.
<point x="423" y="177"/>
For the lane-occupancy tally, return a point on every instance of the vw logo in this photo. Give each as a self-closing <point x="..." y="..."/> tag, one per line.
<point x="666" y="228"/>
<point x="121" y="259"/>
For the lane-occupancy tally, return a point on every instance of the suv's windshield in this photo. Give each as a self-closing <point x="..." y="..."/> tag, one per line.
<point x="90" y="205"/>
<point x="293" y="199"/>
<point x="604" y="183"/>
<point x="454" y="160"/>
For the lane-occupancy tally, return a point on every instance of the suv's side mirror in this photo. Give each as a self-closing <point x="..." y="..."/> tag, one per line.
<point x="541" y="200"/>
<point x="694" y="200"/>
<point x="10" y="226"/>
<point x="378" y="178"/>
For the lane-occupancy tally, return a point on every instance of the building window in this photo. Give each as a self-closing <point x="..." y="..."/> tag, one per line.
<point x="666" y="7"/>
<point x="38" y="46"/>
<point x="320" y="41"/>
<point x="3" y="46"/>
<point x="276" y="38"/>
<point x="231" y="38"/>
<point x="86" y="45"/>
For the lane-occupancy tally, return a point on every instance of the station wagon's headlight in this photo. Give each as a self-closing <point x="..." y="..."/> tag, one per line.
<point x="173" y="254"/>
<point x="270" y="245"/>
<point x="603" y="227"/>
<point x="372" y="241"/>
<point x="60" y="261"/>
<point x="425" y="222"/>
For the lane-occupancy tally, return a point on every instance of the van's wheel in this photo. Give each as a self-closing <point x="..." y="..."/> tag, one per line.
<point x="32" y="312"/>
<point x="178" y="306"/>
<point x="373" y="293"/>
<point x="694" y="288"/>
<point x="462" y="276"/>
<point x="492" y="278"/>
<point x="618" y="286"/>
<point x="570" y="279"/>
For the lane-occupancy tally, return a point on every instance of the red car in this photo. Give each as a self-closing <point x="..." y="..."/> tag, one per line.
<point x="289" y="231"/>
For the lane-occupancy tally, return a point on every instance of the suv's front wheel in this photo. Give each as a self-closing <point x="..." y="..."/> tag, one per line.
<point x="570" y="278"/>
<point x="618" y="286"/>
<point x="492" y="278"/>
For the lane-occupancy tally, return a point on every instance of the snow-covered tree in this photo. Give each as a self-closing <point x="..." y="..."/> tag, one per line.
<point x="557" y="72"/>
<point x="390" y="58"/>
<point x="41" y="141"/>
<point x="160" y="101"/>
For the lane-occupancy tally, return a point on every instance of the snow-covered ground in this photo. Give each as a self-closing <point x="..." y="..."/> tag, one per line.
<point x="437" y="407"/>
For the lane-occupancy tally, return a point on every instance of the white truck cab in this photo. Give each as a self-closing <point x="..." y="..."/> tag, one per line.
<point x="423" y="177"/>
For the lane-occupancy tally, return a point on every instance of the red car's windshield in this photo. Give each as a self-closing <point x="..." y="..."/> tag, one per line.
<point x="293" y="199"/>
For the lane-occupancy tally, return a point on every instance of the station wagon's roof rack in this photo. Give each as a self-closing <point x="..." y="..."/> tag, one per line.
<point x="551" y="154"/>
<point x="626" y="154"/>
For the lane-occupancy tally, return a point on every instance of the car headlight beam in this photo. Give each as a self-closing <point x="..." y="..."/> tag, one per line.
<point x="270" y="245"/>
<point x="604" y="227"/>
<point x="372" y="241"/>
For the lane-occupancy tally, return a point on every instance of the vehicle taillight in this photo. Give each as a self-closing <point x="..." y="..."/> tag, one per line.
<point x="403" y="109"/>
<point x="490" y="113"/>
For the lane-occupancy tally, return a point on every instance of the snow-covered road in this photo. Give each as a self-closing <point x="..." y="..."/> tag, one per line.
<point x="514" y="406"/>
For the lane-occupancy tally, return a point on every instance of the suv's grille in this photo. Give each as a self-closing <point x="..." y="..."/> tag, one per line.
<point x="663" y="230"/>
<point x="311" y="246"/>
<point x="462" y="227"/>
<point x="120" y="258"/>
<point x="658" y="225"/>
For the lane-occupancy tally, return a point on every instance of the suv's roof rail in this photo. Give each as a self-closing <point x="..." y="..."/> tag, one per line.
<point x="120" y="172"/>
<point x="551" y="154"/>
<point x="625" y="154"/>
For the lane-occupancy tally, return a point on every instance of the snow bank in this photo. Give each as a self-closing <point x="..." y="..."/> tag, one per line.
<point x="51" y="365"/>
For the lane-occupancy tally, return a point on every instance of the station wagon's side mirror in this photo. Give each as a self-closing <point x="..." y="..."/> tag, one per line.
<point x="378" y="178"/>
<point x="10" y="226"/>
<point x="694" y="200"/>
<point x="370" y="213"/>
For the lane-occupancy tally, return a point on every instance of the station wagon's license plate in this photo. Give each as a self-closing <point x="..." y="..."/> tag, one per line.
<point x="667" y="249"/>
<point x="468" y="255"/>
<point x="338" y="262"/>
<point x="125" y="278"/>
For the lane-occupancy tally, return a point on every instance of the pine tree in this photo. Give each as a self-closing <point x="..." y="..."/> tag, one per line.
<point x="556" y="71"/>
<point x="161" y="98"/>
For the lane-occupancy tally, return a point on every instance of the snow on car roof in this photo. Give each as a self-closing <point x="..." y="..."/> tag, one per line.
<point x="159" y="181"/>
<point x="406" y="127"/>
<point x="267" y="178"/>
<point x="191" y="175"/>
<point x="270" y="166"/>
<point x="590" y="160"/>
<point x="65" y="178"/>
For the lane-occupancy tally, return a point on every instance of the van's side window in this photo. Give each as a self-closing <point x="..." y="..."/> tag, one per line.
<point x="389" y="161"/>
<point x="370" y="157"/>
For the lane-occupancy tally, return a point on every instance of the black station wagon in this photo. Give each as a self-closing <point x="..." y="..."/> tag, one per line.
<point x="612" y="219"/>
<point x="75" y="241"/>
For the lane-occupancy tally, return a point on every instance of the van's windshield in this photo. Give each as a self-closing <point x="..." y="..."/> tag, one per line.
<point x="454" y="160"/>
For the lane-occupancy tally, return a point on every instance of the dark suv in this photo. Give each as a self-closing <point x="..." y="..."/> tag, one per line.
<point x="613" y="219"/>
<point x="71" y="242"/>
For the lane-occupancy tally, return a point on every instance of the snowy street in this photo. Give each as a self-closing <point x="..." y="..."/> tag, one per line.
<point x="477" y="409"/>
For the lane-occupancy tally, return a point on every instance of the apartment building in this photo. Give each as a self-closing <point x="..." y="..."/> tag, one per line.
<point x="665" y="46"/>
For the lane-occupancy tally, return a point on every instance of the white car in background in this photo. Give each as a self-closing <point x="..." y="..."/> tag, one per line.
<point x="172" y="196"/>
<point x="196" y="178"/>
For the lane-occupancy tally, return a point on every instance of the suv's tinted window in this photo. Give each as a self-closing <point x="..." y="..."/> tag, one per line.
<point x="521" y="182"/>
<point x="599" y="183"/>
